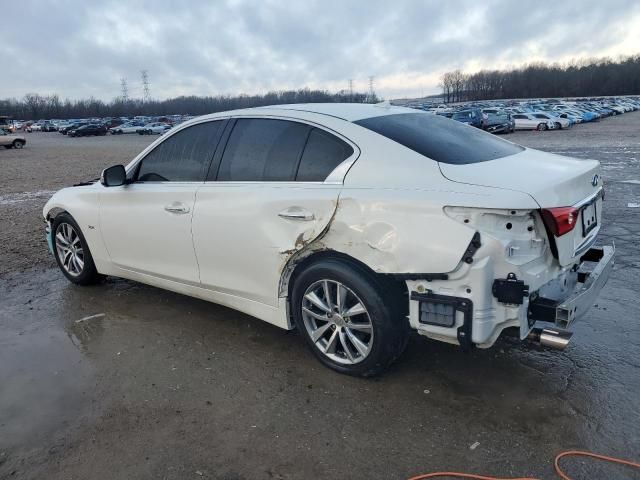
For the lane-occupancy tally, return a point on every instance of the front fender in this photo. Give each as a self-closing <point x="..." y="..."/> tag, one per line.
<point x="82" y="203"/>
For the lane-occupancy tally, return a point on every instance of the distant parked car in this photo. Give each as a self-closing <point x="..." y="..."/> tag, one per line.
<point x="157" y="128"/>
<point x="559" y="122"/>
<point x="34" y="127"/>
<point x="471" y="116"/>
<point x="49" y="127"/>
<point x="113" y="123"/>
<point x="71" y="126"/>
<point x="11" y="140"/>
<point x="87" y="130"/>
<point x="498" y="123"/>
<point x="126" y="128"/>
<point x="526" y="121"/>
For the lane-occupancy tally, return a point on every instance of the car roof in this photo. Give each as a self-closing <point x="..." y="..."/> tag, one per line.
<point x="350" y="112"/>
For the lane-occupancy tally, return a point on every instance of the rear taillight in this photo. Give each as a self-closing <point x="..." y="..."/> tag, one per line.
<point x="560" y="220"/>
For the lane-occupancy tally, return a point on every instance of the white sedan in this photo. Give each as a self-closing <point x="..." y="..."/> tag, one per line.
<point x="155" y="128"/>
<point x="352" y="223"/>
<point x="526" y="121"/>
<point x="125" y="128"/>
<point x="559" y="122"/>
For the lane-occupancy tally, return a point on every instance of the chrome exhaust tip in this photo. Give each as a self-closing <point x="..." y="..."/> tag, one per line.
<point x="550" y="337"/>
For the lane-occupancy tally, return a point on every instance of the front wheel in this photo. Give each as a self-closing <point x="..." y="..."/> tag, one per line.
<point x="18" y="144"/>
<point x="558" y="126"/>
<point x="542" y="127"/>
<point x="349" y="320"/>
<point x="72" y="252"/>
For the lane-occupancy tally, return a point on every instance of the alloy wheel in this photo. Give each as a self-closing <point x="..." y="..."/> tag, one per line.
<point x="69" y="248"/>
<point x="337" y="322"/>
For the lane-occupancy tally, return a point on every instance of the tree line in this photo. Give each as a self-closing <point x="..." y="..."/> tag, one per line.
<point x="34" y="106"/>
<point x="584" y="78"/>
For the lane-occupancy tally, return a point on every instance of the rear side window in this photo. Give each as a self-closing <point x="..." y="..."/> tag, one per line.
<point x="322" y="154"/>
<point x="263" y="150"/>
<point x="183" y="157"/>
<point x="439" y="138"/>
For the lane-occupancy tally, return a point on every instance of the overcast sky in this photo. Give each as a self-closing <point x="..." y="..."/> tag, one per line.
<point x="81" y="48"/>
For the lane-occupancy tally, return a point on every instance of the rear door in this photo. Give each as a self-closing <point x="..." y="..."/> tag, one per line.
<point x="270" y="193"/>
<point x="146" y="225"/>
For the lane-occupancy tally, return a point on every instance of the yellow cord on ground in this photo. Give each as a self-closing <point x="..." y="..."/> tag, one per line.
<point x="559" y="471"/>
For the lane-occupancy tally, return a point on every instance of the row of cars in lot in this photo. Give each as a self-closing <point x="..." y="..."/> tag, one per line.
<point x="544" y="114"/>
<point x="100" y="126"/>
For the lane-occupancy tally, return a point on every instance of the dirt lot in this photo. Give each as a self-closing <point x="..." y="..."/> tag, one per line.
<point x="122" y="380"/>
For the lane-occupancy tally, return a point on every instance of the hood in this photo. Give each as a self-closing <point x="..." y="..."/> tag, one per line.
<point x="552" y="180"/>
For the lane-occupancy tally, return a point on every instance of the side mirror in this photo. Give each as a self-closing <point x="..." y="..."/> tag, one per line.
<point x="113" y="176"/>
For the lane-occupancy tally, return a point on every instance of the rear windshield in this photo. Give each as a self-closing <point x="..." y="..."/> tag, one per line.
<point x="440" y="139"/>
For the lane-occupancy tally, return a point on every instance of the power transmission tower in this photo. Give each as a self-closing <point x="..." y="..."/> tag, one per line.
<point x="371" y="93"/>
<point x="145" y="86"/>
<point x="125" y="89"/>
<point x="351" y="89"/>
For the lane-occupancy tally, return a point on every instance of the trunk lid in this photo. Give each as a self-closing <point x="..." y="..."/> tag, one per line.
<point x="552" y="181"/>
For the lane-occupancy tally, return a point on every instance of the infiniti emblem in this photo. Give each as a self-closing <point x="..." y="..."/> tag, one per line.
<point x="595" y="180"/>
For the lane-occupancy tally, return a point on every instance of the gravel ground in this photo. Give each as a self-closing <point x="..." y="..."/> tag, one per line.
<point x="122" y="380"/>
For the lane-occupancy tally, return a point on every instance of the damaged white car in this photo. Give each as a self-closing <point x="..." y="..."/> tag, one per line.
<point x="354" y="223"/>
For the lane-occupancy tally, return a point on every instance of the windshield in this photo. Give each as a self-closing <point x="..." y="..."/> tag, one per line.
<point x="439" y="138"/>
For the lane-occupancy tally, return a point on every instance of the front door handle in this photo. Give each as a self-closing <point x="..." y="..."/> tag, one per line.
<point x="177" y="207"/>
<point x="297" y="213"/>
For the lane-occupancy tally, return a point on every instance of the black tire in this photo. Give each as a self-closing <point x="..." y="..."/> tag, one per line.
<point x="382" y="302"/>
<point x="558" y="126"/>
<point x="542" y="127"/>
<point x="88" y="275"/>
<point x="18" y="144"/>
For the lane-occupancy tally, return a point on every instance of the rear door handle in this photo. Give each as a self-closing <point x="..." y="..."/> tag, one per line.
<point x="297" y="213"/>
<point x="177" y="207"/>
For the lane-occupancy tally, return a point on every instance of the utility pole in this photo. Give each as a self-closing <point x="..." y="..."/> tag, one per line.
<point x="124" y="89"/>
<point x="351" y="89"/>
<point x="371" y="93"/>
<point x="145" y="86"/>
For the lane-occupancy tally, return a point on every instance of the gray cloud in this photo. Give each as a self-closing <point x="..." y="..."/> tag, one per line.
<point x="81" y="49"/>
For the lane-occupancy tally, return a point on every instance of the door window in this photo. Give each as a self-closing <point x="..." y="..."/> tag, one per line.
<point x="322" y="154"/>
<point x="183" y="157"/>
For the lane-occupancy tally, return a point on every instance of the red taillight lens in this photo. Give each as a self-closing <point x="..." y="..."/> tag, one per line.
<point x="560" y="220"/>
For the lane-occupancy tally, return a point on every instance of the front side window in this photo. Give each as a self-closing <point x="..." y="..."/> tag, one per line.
<point x="183" y="157"/>
<point x="262" y="149"/>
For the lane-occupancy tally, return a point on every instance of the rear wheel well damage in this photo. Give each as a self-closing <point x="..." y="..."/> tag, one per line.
<point x="394" y="288"/>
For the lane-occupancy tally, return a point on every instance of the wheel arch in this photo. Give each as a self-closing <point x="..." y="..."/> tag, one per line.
<point x="299" y="263"/>
<point x="54" y="212"/>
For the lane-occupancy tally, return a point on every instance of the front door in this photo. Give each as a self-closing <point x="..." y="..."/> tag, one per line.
<point x="146" y="225"/>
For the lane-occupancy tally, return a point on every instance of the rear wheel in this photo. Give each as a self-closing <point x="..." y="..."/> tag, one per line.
<point x="348" y="319"/>
<point x="72" y="252"/>
<point x="542" y="127"/>
<point x="558" y="126"/>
